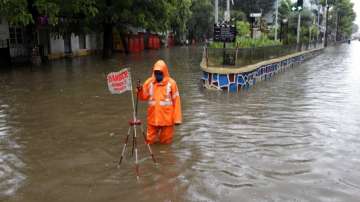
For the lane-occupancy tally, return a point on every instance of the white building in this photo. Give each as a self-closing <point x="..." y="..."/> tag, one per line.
<point x="50" y="46"/>
<point x="13" y="38"/>
<point x="72" y="45"/>
<point x="4" y="29"/>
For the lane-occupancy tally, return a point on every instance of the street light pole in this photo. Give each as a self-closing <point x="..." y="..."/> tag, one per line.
<point x="227" y="11"/>
<point x="326" y="23"/>
<point x="318" y="26"/>
<point x="298" y="28"/>
<point x="276" y="19"/>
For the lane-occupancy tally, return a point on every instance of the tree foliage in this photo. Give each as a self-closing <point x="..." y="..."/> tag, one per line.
<point x="16" y="12"/>
<point x="341" y="17"/>
<point x="202" y="20"/>
<point x="180" y="15"/>
<point x="254" y="6"/>
<point x="194" y="17"/>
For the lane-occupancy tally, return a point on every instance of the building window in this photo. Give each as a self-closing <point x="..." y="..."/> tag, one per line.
<point x="82" y="41"/>
<point x="16" y="35"/>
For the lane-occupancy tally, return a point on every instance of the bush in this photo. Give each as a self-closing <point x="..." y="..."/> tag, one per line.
<point x="243" y="29"/>
<point x="242" y="42"/>
<point x="216" y="45"/>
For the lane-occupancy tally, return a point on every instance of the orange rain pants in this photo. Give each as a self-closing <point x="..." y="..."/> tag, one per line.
<point x="162" y="133"/>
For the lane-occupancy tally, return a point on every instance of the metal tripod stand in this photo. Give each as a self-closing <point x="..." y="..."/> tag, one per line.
<point x="133" y="125"/>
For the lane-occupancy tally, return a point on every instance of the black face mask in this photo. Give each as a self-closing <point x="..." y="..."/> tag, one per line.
<point x="159" y="76"/>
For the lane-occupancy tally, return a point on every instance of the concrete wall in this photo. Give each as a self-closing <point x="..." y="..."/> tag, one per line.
<point x="4" y="29"/>
<point x="74" y="43"/>
<point x="89" y="41"/>
<point x="93" y="42"/>
<point x="234" y="80"/>
<point x="56" y="45"/>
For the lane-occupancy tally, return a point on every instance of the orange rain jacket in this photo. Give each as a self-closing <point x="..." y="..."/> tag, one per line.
<point x="164" y="101"/>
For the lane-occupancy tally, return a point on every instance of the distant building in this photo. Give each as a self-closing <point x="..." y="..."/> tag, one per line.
<point x="71" y="45"/>
<point x="19" y="46"/>
<point x="14" y="39"/>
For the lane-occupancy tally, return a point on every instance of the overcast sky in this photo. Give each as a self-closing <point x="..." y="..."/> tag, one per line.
<point x="357" y="10"/>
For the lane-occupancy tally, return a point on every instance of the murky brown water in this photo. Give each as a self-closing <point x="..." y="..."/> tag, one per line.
<point x="293" y="138"/>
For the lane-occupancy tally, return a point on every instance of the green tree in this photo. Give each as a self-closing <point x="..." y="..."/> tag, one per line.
<point x="238" y="15"/>
<point x="346" y="17"/>
<point x="82" y="16"/>
<point x="254" y="6"/>
<point x="180" y="15"/>
<point x="243" y="29"/>
<point x="355" y="28"/>
<point x="16" y="12"/>
<point x="201" y="23"/>
<point x="307" y="19"/>
<point x="341" y="17"/>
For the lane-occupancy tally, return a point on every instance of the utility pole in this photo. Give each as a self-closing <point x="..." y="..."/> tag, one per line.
<point x="298" y="28"/>
<point x="227" y="14"/>
<point x="310" y="29"/>
<point x="299" y="8"/>
<point x="326" y="23"/>
<point x="276" y="19"/>
<point x="318" y="25"/>
<point x="337" y="25"/>
<point x="216" y="11"/>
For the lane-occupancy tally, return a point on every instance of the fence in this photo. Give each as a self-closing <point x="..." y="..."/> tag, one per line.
<point x="20" y="51"/>
<point x="217" y="57"/>
<point x="5" y="58"/>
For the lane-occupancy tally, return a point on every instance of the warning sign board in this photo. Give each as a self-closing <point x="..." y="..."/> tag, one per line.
<point x="224" y="33"/>
<point x="119" y="82"/>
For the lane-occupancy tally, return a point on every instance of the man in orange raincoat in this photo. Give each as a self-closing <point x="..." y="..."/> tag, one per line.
<point x="164" y="110"/>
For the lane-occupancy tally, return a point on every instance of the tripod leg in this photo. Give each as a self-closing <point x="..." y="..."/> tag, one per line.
<point x="133" y="141"/>
<point x="136" y="156"/>
<point x="148" y="145"/>
<point x="124" y="147"/>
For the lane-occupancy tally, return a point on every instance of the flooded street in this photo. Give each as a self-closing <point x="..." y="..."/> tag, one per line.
<point x="295" y="137"/>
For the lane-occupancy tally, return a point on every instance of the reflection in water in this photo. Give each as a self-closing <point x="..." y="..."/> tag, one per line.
<point x="11" y="165"/>
<point x="294" y="137"/>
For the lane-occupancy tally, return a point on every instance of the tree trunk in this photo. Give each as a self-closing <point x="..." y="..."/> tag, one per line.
<point x="108" y="40"/>
<point x="108" y="34"/>
<point x="31" y="28"/>
<point x="124" y="42"/>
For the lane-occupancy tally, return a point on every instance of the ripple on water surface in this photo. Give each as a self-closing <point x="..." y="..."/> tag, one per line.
<point x="292" y="138"/>
<point x="11" y="167"/>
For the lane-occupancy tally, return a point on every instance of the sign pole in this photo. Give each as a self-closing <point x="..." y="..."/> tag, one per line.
<point x="134" y="120"/>
<point x="132" y="96"/>
<point x="118" y="83"/>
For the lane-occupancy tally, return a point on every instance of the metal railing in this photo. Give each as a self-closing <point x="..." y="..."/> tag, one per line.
<point x="20" y="50"/>
<point x="4" y="43"/>
<point x="239" y="57"/>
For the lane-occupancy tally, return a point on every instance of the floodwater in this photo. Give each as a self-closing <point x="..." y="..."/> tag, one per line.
<point x="295" y="137"/>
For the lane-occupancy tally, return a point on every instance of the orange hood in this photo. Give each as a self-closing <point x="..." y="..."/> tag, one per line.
<point x="160" y="65"/>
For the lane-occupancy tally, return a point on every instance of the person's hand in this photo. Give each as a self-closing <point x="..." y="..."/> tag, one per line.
<point x="139" y="87"/>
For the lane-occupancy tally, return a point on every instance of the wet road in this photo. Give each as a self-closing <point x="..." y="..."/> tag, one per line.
<point x="293" y="138"/>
